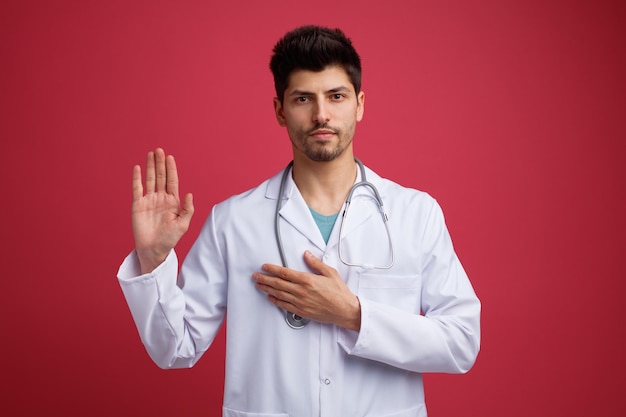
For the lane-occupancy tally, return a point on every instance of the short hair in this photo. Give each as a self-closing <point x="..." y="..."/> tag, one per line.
<point x="313" y="48"/>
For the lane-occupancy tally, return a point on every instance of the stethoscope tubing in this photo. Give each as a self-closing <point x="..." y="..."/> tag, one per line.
<point x="293" y="320"/>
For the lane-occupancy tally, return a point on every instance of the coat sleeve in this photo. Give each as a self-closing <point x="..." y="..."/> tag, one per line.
<point x="446" y="336"/>
<point x="178" y="317"/>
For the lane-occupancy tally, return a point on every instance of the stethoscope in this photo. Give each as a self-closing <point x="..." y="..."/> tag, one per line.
<point x="293" y="320"/>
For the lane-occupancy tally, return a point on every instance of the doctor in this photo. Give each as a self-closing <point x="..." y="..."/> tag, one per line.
<point x="363" y="306"/>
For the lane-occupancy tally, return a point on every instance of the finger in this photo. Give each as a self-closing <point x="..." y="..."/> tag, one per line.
<point x="269" y="283"/>
<point x="281" y="272"/>
<point x="137" y="187"/>
<point x="150" y="176"/>
<point x="171" y="176"/>
<point x="161" y="174"/>
<point x="188" y="203"/>
<point x="276" y="289"/>
<point x="285" y="305"/>
<point x="188" y="208"/>
<point x="316" y="264"/>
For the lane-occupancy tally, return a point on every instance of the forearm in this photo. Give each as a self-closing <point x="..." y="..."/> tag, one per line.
<point x="414" y="342"/>
<point x="157" y="306"/>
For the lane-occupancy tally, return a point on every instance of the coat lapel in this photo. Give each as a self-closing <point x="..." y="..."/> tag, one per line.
<point x="294" y="211"/>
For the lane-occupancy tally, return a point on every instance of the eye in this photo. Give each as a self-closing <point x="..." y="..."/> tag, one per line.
<point x="302" y="99"/>
<point x="338" y="96"/>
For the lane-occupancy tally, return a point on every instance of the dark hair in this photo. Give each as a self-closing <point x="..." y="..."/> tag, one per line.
<point x="313" y="48"/>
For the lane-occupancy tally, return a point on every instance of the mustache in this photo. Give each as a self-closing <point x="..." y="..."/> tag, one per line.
<point x="322" y="126"/>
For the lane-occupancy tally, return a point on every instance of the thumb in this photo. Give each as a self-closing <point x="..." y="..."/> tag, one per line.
<point x="188" y="209"/>
<point x="315" y="263"/>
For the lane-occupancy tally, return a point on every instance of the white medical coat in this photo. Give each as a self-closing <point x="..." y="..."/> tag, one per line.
<point x="422" y="315"/>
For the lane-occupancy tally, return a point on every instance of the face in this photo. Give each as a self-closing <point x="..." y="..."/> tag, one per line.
<point x="320" y="111"/>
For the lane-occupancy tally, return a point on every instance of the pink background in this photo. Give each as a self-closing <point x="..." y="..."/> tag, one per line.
<point x="510" y="113"/>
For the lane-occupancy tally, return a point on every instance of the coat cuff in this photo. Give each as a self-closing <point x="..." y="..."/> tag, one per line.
<point x="350" y="340"/>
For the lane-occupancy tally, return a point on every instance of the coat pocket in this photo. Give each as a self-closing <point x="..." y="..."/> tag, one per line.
<point x="403" y="292"/>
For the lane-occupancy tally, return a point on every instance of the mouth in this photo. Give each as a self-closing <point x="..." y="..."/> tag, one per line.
<point x="322" y="133"/>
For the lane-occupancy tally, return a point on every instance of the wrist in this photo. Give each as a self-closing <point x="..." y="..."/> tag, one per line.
<point x="150" y="260"/>
<point x="354" y="317"/>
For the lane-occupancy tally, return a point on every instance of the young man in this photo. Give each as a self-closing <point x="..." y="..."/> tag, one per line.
<point x="362" y="306"/>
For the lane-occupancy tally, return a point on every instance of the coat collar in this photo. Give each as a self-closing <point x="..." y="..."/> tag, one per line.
<point x="273" y="185"/>
<point x="295" y="211"/>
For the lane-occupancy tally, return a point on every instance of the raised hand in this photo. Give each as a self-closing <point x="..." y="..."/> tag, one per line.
<point x="158" y="219"/>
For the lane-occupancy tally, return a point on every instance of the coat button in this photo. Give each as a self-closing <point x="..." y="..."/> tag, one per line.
<point x="327" y="381"/>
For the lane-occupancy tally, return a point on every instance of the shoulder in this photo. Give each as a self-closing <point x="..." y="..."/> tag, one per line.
<point x="397" y="193"/>
<point x="411" y="209"/>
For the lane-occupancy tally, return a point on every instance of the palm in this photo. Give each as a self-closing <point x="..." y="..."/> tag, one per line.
<point x="156" y="220"/>
<point x="159" y="221"/>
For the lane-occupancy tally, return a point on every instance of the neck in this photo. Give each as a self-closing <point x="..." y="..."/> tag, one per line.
<point x="325" y="185"/>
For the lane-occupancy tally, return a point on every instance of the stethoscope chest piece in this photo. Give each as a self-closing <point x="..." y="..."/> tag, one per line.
<point x="295" y="321"/>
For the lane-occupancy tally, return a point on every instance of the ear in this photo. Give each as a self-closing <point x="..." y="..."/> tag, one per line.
<point x="360" y="106"/>
<point x="280" y="113"/>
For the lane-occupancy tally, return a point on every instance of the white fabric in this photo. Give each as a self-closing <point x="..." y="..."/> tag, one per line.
<point x="420" y="316"/>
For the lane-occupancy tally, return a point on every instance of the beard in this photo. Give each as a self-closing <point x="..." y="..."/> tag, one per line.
<point x="321" y="152"/>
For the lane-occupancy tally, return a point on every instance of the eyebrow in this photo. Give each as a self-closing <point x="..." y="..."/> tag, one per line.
<point x="339" y="89"/>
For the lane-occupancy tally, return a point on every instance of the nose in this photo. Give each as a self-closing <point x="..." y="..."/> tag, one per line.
<point x="321" y="113"/>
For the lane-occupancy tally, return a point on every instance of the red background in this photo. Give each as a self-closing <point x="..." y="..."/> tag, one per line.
<point x="510" y="113"/>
